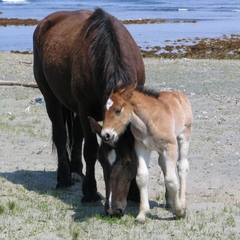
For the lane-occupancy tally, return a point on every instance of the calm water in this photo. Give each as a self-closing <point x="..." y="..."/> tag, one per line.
<point x="214" y="18"/>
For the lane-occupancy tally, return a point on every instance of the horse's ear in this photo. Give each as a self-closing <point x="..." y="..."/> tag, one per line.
<point x="118" y="86"/>
<point x="95" y="126"/>
<point x="128" y="91"/>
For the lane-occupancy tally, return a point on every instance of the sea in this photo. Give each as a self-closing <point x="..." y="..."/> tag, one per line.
<point x="212" y="19"/>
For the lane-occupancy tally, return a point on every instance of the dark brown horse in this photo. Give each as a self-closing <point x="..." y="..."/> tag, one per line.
<point x="79" y="57"/>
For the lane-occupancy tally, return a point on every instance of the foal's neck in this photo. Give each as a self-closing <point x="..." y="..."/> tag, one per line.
<point x="142" y="105"/>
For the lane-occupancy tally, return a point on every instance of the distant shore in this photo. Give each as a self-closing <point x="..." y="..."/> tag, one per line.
<point x="226" y="47"/>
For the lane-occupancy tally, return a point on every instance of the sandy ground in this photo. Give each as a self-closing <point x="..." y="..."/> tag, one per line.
<point x="27" y="166"/>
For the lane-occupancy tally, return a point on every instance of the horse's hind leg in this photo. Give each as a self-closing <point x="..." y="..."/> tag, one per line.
<point x="76" y="153"/>
<point x="55" y="113"/>
<point x="183" y="165"/>
<point x="59" y="134"/>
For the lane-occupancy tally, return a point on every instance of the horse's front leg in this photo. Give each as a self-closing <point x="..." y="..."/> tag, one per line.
<point x="143" y="155"/>
<point x="76" y="154"/>
<point x="89" y="185"/>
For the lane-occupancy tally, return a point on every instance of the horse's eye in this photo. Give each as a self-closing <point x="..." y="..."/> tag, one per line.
<point x="118" y="111"/>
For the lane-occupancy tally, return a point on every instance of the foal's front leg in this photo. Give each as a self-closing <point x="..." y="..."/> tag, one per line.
<point x="143" y="155"/>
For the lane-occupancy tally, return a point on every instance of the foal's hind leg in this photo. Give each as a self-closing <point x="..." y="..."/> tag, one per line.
<point x="183" y="165"/>
<point x="162" y="164"/>
<point x="171" y="178"/>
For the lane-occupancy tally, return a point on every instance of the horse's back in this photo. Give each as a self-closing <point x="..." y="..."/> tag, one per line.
<point x="59" y="24"/>
<point x="54" y="36"/>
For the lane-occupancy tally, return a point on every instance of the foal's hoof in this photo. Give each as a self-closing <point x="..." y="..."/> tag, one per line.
<point x="182" y="214"/>
<point x="91" y="198"/>
<point x="141" y="217"/>
<point x="65" y="184"/>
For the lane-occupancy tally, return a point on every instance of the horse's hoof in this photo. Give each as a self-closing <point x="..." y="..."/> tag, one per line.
<point x="168" y="206"/>
<point x="65" y="184"/>
<point x="91" y="198"/>
<point x="77" y="177"/>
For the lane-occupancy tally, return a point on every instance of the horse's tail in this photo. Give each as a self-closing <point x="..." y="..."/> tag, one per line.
<point x="68" y="117"/>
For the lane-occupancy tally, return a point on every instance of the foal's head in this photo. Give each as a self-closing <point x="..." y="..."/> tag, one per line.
<point x="118" y="112"/>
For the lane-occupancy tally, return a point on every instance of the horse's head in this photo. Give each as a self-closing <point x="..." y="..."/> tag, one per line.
<point x="118" y="112"/>
<point x="119" y="165"/>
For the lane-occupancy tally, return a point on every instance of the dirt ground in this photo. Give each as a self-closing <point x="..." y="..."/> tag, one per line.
<point x="31" y="208"/>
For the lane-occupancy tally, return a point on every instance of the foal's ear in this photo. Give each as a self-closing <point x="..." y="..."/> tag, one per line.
<point x="95" y="126"/>
<point x="128" y="91"/>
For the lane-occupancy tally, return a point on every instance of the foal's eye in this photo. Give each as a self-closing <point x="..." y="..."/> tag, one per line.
<point x="118" y="111"/>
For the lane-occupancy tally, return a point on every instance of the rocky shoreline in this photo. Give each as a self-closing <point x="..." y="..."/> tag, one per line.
<point x="225" y="47"/>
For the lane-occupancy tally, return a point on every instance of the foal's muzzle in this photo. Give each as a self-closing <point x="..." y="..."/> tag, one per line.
<point x="117" y="211"/>
<point x="109" y="136"/>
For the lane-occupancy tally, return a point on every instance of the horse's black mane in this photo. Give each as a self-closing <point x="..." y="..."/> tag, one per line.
<point x="150" y="92"/>
<point x="105" y="52"/>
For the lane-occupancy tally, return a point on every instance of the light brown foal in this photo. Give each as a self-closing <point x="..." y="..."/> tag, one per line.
<point x="162" y="122"/>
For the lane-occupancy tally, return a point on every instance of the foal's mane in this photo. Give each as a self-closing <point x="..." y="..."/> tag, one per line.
<point x="147" y="91"/>
<point x="105" y="52"/>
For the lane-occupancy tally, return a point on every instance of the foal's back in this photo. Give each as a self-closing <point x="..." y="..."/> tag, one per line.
<point x="177" y="106"/>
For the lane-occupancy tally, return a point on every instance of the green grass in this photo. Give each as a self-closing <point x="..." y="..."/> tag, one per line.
<point x="2" y="209"/>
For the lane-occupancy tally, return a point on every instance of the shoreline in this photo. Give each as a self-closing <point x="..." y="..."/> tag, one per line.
<point x="205" y="48"/>
<point x="31" y="22"/>
<point x="224" y="47"/>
